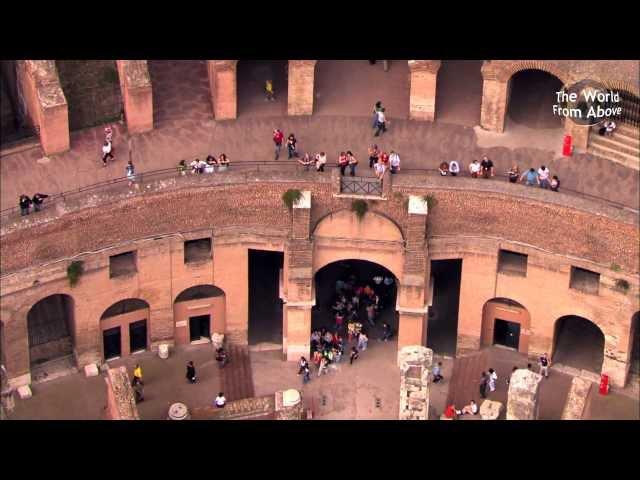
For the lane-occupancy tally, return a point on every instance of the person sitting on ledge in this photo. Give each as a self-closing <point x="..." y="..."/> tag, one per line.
<point x="555" y="183"/>
<point x="474" y="169"/>
<point x="513" y="173"/>
<point x="454" y="168"/>
<point x="471" y="409"/>
<point x="223" y="163"/>
<point x="305" y="161"/>
<point x="451" y="412"/>
<point x="529" y="177"/>
<point x="182" y="167"/>
<point x="609" y="126"/>
<point x="444" y="169"/>
<point x="211" y="164"/>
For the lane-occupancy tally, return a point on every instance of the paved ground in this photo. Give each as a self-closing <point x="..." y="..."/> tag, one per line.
<point x="185" y="130"/>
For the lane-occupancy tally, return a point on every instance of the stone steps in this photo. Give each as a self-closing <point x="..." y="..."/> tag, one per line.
<point x="629" y="161"/>
<point x="236" y="377"/>
<point x="617" y="144"/>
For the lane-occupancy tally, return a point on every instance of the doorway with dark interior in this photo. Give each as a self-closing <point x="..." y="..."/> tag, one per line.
<point x="252" y="77"/>
<point x="265" y="305"/>
<point x="578" y="343"/>
<point x="442" y="328"/>
<point x="506" y="334"/>
<point x="111" y="339"/>
<point x="138" y="336"/>
<point x="199" y="328"/>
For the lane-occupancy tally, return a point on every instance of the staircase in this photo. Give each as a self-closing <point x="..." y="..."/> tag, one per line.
<point x="622" y="147"/>
<point x="237" y="380"/>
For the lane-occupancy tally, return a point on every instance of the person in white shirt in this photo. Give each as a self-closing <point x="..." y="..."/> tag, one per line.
<point x="471" y="409"/>
<point x="394" y="161"/>
<point x="382" y="123"/>
<point x="474" y="168"/>
<point x="194" y="166"/>
<point x="610" y="126"/>
<point x="321" y="160"/>
<point x="106" y="152"/>
<point x="202" y="166"/>
<point x="454" y="168"/>
<point x="543" y="177"/>
<point x="220" y="401"/>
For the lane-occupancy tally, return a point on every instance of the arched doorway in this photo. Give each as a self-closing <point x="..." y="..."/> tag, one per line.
<point x="92" y="90"/>
<point x="125" y="328"/>
<point x="252" y="76"/>
<point x="180" y="90"/>
<point x="342" y="279"/>
<point x="530" y="97"/>
<point x="635" y="344"/>
<point x="505" y="323"/>
<point x="352" y="87"/>
<point x="579" y="343"/>
<point x="50" y="325"/>
<point x="14" y="124"/>
<point x="198" y="312"/>
<point x="459" y="92"/>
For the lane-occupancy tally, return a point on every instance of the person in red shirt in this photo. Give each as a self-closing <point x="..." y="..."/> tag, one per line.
<point x="278" y="137"/>
<point x="343" y="161"/>
<point x="450" y="412"/>
<point x="384" y="157"/>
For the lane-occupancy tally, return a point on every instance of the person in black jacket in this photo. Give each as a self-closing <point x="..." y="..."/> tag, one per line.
<point x="25" y="203"/>
<point x="38" y="200"/>
<point x="191" y="372"/>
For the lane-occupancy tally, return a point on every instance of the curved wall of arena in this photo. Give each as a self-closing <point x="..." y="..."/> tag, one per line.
<point x="472" y="220"/>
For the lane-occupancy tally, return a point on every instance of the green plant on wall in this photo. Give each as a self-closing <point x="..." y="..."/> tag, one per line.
<point x="359" y="207"/>
<point x="290" y="197"/>
<point x="430" y="201"/>
<point x="74" y="271"/>
<point x="615" y="267"/>
<point x="622" y="285"/>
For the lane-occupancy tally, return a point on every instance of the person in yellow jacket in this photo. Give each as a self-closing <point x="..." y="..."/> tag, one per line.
<point x="137" y="374"/>
<point x="268" y="88"/>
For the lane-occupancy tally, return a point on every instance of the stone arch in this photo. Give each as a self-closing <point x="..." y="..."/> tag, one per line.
<point x="507" y="310"/>
<point x="128" y="321"/>
<point x="198" y="311"/>
<point x="579" y="343"/>
<point x="51" y="328"/>
<point x="503" y="70"/>
<point x="341" y="236"/>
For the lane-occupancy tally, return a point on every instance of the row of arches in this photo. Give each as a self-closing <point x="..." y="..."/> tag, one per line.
<point x="124" y="325"/>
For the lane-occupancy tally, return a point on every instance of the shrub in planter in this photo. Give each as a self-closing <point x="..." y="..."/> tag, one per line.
<point x="290" y="197"/>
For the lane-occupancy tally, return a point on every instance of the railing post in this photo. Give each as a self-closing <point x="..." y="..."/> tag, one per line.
<point x="335" y="181"/>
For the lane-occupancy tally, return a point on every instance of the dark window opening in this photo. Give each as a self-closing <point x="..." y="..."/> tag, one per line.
<point x="138" y="336"/>
<point x="265" y="305"/>
<point x="512" y="263"/>
<point x="584" y="280"/>
<point x="122" y="264"/>
<point x="199" y="327"/>
<point x="442" y="328"/>
<point x="197" y="250"/>
<point x="111" y="339"/>
<point x="506" y="334"/>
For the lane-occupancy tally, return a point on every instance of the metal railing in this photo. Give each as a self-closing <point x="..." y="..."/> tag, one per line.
<point x="361" y="186"/>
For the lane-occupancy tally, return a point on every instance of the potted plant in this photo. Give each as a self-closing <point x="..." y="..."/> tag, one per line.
<point x="74" y="271"/>
<point x="290" y="197"/>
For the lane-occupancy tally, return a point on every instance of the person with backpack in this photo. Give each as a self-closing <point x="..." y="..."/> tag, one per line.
<point x="221" y="357"/>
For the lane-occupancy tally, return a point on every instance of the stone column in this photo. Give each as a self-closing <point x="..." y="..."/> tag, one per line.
<point x="299" y="282"/>
<point x="414" y="362"/>
<point x="137" y="95"/>
<point x="579" y="134"/>
<point x="223" y="86"/>
<point x="16" y="352"/>
<point x="46" y="104"/>
<point x="522" y="402"/>
<point x="411" y="295"/>
<point x="121" y="404"/>
<point x="422" y="95"/>
<point x="301" y="87"/>
<point x="161" y="327"/>
<point x="494" y="104"/>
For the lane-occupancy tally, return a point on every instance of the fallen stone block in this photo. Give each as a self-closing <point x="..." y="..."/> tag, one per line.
<point x="91" y="370"/>
<point x="576" y="400"/>
<point x="24" y="392"/>
<point x="163" y="351"/>
<point x="490" y="410"/>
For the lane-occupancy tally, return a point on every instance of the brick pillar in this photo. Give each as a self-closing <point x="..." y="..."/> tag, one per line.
<point x="46" y="103"/>
<point x="301" y="85"/>
<point x="412" y="329"/>
<point x="16" y="351"/>
<point x="298" y="282"/>
<point x="137" y="95"/>
<point x="223" y="88"/>
<point x="614" y="367"/>
<point x="86" y="342"/>
<point x="160" y="325"/>
<point x="422" y="95"/>
<point x="494" y="104"/>
<point x="579" y="134"/>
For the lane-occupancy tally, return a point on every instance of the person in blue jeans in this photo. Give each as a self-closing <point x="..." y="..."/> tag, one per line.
<point x="529" y="177"/>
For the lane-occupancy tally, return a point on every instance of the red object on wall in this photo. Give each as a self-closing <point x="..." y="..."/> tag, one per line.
<point x="604" y="384"/>
<point x="567" y="146"/>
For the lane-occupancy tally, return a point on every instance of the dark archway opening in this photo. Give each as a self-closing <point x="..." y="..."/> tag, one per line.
<point x="14" y="124"/>
<point x="252" y="76"/>
<point x="352" y="87"/>
<point x="50" y="326"/>
<point x="459" y="92"/>
<point x="532" y="94"/>
<point x="579" y="343"/>
<point x="265" y="305"/>
<point x="345" y="278"/>
<point x="199" y="292"/>
<point x="92" y="90"/>
<point x="442" y="328"/>
<point x="635" y="344"/>
<point x="126" y="319"/>
<point x="196" y="321"/>
<point x="180" y="91"/>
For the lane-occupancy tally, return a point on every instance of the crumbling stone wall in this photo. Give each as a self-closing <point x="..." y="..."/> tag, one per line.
<point x="415" y="363"/>
<point x="577" y="399"/>
<point x="121" y="403"/>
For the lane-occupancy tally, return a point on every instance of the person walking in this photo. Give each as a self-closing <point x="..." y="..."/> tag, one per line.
<point x="322" y="368"/>
<point x="220" y="401"/>
<point x="354" y="355"/>
<point x="25" y="203"/>
<point x="131" y="174"/>
<point x="221" y="357"/>
<point x="371" y="314"/>
<point x="291" y="146"/>
<point x="353" y="162"/>
<point x="513" y="370"/>
<point x="191" y="372"/>
<point x="137" y="373"/>
<point x="363" y="341"/>
<point x="278" y="137"/>
<point x="437" y="373"/>
<point x="343" y="161"/>
<point x="268" y="89"/>
<point x="386" y="332"/>
<point x="484" y="380"/>
<point x="493" y="378"/>
<point x="303" y="363"/>
<point x="106" y="153"/>
<point x="544" y="365"/>
<point x="306" y="375"/>
<point x="382" y="123"/>
<point x="376" y="108"/>
<point x="374" y="153"/>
